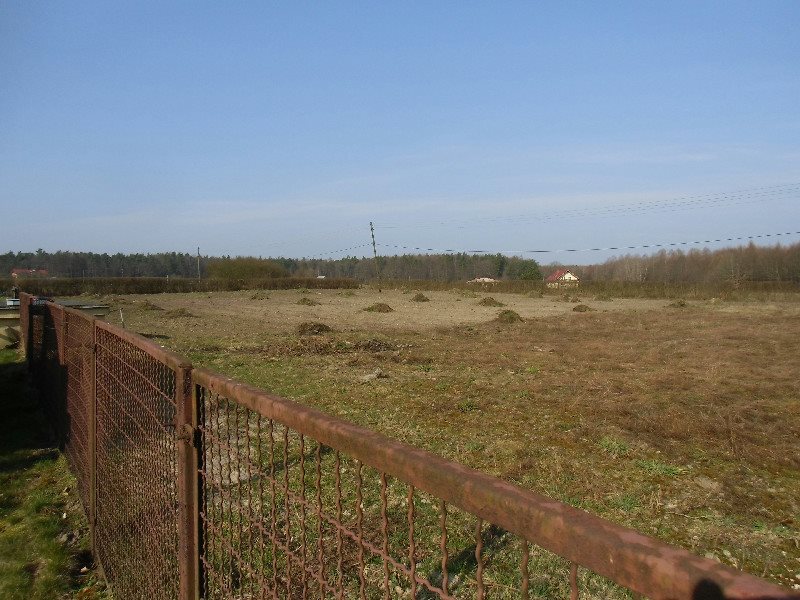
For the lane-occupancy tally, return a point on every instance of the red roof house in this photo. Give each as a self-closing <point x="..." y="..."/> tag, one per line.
<point x="562" y="278"/>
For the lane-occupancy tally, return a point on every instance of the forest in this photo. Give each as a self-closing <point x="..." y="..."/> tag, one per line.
<point x="730" y="265"/>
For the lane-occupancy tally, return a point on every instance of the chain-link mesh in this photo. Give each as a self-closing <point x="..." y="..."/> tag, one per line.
<point x="48" y="368"/>
<point x="285" y="516"/>
<point x="79" y="363"/>
<point x="136" y="528"/>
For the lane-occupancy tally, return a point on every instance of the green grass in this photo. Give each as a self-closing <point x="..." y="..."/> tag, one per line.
<point x="43" y="531"/>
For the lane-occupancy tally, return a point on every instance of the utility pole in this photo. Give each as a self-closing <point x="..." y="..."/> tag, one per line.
<point x="198" y="263"/>
<point x="375" y="253"/>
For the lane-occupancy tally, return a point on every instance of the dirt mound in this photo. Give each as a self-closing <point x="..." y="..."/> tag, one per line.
<point x="489" y="301"/>
<point x="582" y="308"/>
<point x="375" y="345"/>
<point x="147" y="305"/>
<point x="379" y="307"/>
<point x="312" y="328"/>
<point x="179" y="313"/>
<point x="677" y="304"/>
<point x="308" y="301"/>
<point x="508" y="316"/>
<point x="420" y="297"/>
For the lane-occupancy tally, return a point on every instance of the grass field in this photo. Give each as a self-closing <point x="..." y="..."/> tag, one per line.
<point x="44" y="550"/>
<point x="680" y="419"/>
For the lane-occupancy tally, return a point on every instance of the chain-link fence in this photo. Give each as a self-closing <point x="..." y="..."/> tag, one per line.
<point x="198" y="486"/>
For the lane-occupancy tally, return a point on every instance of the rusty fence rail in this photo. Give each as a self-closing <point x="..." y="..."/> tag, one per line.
<point x="199" y="486"/>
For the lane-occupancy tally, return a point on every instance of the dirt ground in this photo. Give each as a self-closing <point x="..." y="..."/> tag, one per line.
<point x="679" y="419"/>
<point x="282" y="310"/>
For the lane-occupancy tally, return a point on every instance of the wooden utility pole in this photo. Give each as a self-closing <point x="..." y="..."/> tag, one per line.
<point x="198" y="263"/>
<point x="375" y="253"/>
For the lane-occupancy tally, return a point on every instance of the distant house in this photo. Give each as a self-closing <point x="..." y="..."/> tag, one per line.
<point x="22" y="273"/>
<point x="562" y="278"/>
<point x="482" y="280"/>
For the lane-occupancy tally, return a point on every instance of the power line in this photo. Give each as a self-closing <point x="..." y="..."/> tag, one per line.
<point x="637" y="247"/>
<point x="672" y="205"/>
<point x="341" y="250"/>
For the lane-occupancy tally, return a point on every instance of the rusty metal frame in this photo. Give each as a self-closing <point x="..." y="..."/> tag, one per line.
<point x="638" y="562"/>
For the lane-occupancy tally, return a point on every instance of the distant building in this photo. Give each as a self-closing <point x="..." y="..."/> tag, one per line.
<point x="562" y="278"/>
<point x="23" y="273"/>
<point x="482" y="280"/>
<point x="320" y="276"/>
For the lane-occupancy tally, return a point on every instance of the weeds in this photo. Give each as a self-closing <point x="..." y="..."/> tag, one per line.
<point x="614" y="446"/>
<point x="655" y="467"/>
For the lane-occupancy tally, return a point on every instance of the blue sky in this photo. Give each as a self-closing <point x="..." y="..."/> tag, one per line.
<point x="284" y="129"/>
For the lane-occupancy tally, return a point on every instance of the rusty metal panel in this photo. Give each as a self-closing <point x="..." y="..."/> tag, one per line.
<point x="47" y="367"/>
<point x="136" y="530"/>
<point x="299" y="504"/>
<point x="78" y="363"/>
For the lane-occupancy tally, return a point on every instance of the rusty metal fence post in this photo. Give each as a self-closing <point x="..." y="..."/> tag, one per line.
<point x="188" y="484"/>
<point x="25" y="325"/>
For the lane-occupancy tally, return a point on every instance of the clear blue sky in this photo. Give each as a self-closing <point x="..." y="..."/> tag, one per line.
<point x="284" y="129"/>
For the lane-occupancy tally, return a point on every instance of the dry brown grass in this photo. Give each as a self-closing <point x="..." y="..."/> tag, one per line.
<point x="680" y="423"/>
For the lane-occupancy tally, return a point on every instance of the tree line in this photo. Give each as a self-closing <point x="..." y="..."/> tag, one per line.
<point x="440" y="267"/>
<point x="730" y="265"/>
<point x="735" y="266"/>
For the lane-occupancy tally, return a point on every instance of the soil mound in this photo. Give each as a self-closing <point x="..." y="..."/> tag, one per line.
<point x="379" y="307"/>
<point x="312" y="328"/>
<point x="508" y="316"/>
<point x="179" y="313"/>
<point x="489" y="301"/>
